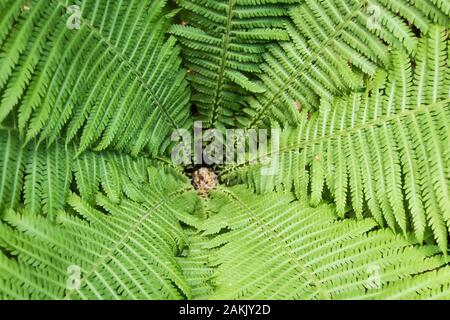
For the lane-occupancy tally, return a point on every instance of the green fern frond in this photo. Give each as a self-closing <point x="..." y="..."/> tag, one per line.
<point x="41" y="177"/>
<point x="43" y="174"/>
<point x="383" y="150"/>
<point x="116" y="80"/>
<point x="123" y="250"/>
<point x="269" y="247"/>
<point x="333" y="43"/>
<point x="222" y="47"/>
<point x="353" y="204"/>
<point x="196" y="269"/>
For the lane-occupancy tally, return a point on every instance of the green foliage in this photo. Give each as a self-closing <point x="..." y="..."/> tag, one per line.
<point x="222" y="47"/>
<point x="125" y="250"/>
<point x="92" y="207"/>
<point x="383" y="151"/>
<point x="268" y="247"/>
<point x="333" y="45"/>
<point x="39" y="178"/>
<point x="115" y="82"/>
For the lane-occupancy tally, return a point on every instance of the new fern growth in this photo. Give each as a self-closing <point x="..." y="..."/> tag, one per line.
<point x="93" y="207"/>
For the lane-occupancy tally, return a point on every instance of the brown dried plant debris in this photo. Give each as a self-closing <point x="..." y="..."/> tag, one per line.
<point x="204" y="179"/>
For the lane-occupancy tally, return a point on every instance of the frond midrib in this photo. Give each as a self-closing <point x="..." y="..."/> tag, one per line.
<point x="323" y="293"/>
<point x="373" y="123"/>
<point x="170" y="120"/>
<point x="126" y="236"/>
<point x="223" y="62"/>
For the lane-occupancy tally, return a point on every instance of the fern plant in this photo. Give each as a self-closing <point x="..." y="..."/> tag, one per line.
<point x="93" y="207"/>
